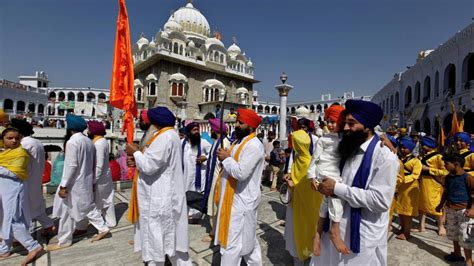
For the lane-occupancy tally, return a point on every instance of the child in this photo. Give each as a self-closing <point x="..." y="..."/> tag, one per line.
<point x="13" y="172"/>
<point x="458" y="195"/>
<point x="408" y="190"/>
<point x="327" y="166"/>
<point x="276" y="160"/>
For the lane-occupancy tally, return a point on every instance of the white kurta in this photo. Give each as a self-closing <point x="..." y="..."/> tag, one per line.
<point x="189" y="161"/>
<point x="104" y="187"/>
<point x="161" y="199"/>
<point x="78" y="176"/>
<point x="242" y="239"/>
<point x="211" y="206"/>
<point x="33" y="185"/>
<point x="375" y="202"/>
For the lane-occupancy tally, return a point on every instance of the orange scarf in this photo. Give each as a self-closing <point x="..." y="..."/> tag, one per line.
<point x="226" y="208"/>
<point x="133" y="206"/>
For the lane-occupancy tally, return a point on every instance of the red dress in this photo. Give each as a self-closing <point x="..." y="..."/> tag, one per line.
<point x="115" y="170"/>
<point x="47" y="172"/>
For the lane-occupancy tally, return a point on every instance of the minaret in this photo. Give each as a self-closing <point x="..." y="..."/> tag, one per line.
<point x="283" y="90"/>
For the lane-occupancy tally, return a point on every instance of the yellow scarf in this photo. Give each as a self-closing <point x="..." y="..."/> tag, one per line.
<point x="305" y="201"/>
<point x="16" y="160"/>
<point x="133" y="205"/>
<point x="226" y="208"/>
<point x="96" y="138"/>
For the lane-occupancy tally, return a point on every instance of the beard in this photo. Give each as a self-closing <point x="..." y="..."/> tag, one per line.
<point x="350" y="143"/>
<point x="214" y="135"/>
<point x="194" y="138"/>
<point x="143" y="126"/>
<point x="241" y="133"/>
<point x="89" y="135"/>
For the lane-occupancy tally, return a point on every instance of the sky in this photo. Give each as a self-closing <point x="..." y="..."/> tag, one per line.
<point x="329" y="46"/>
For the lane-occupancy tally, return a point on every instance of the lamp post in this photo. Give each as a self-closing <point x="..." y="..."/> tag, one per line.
<point x="283" y="90"/>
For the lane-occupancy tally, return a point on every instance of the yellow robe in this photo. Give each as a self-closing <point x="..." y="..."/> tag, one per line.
<point x="400" y="176"/>
<point x="431" y="189"/>
<point x="305" y="201"/>
<point x="469" y="161"/>
<point x="407" y="200"/>
<point x="15" y="160"/>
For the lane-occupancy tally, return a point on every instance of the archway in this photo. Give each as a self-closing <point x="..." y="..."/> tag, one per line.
<point x="61" y="96"/>
<point x="274" y="110"/>
<point x="80" y="97"/>
<point x="20" y="107"/>
<point x="450" y="80"/>
<point x="71" y="97"/>
<point x="427" y="89"/>
<point x="40" y="109"/>
<point x="90" y="97"/>
<point x="417" y="92"/>
<point x="408" y="96"/>
<point x="31" y="107"/>
<point x="267" y="109"/>
<point x="468" y="70"/>
<point x="8" y="105"/>
<point x="209" y="116"/>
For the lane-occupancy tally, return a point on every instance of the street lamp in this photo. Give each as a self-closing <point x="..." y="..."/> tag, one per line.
<point x="283" y="90"/>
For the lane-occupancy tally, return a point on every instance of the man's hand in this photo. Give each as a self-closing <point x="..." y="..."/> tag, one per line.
<point x="469" y="213"/>
<point x="326" y="187"/>
<point x="201" y="159"/>
<point x="131" y="148"/>
<point x="62" y="192"/>
<point x="223" y="154"/>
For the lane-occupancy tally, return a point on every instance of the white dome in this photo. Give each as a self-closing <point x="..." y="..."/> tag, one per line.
<point x="142" y="41"/>
<point x="178" y="77"/>
<point x="234" y="49"/>
<point x="172" y="25"/>
<point x="242" y="90"/>
<point x="211" y="41"/>
<point x="191" y="44"/>
<point x="152" y="43"/>
<point x="192" y="21"/>
<point x="214" y="83"/>
<point x="249" y="63"/>
<point x="302" y="112"/>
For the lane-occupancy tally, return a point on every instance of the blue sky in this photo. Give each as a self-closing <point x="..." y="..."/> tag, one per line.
<point x="324" y="46"/>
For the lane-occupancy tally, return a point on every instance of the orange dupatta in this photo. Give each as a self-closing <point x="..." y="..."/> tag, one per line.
<point x="133" y="205"/>
<point x="226" y="208"/>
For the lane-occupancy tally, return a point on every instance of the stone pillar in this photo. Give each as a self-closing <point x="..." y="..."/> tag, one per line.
<point x="283" y="90"/>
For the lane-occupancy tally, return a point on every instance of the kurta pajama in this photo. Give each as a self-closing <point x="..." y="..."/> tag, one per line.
<point x="408" y="191"/>
<point x="431" y="184"/>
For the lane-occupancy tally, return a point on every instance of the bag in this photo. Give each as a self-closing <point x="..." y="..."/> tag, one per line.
<point x="195" y="200"/>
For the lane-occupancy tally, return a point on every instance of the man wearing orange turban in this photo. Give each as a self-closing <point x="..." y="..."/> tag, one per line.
<point x="240" y="193"/>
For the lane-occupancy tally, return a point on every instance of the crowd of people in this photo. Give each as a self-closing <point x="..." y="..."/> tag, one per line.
<point x="345" y="184"/>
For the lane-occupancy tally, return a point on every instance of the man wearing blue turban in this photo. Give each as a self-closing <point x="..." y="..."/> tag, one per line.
<point x="369" y="173"/>
<point x="431" y="184"/>
<point x="463" y="143"/>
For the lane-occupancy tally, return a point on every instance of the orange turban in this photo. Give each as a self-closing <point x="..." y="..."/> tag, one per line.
<point x="333" y="112"/>
<point x="249" y="117"/>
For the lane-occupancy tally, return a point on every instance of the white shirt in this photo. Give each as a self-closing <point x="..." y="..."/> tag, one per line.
<point x="189" y="160"/>
<point x="104" y="187"/>
<point x="327" y="157"/>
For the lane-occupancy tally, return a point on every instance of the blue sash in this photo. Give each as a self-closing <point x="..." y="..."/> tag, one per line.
<point x="360" y="181"/>
<point x="211" y="166"/>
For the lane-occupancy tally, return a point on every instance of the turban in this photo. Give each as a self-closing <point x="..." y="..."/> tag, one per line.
<point x="190" y="126"/>
<point x="429" y="142"/>
<point x="3" y="115"/>
<point x="407" y="142"/>
<point x="463" y="136"/>
<point x="334" y="113"/>
<point x="249" y="117"/>
<point x="305" y="122"/>
<point x="75" y="123"/>
<point x="367" y="113"/>
<point x="182" y="130"/>
<point x="392" y="140"/>
<point x="216" y="125"/>
<point x="161" y="116"/>
<point x="403" y="130"/>
<point x="144" y="116"/>
<point x="96" y="128"/>
<point x="25" y="128"/>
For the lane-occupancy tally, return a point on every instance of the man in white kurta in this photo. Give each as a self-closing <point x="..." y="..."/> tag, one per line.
<point x="237" y="234"/>
<point x="191" y="146"/>
<point x="74" y="200"/>
<point x="161" y="193"/>
<point x="374" y="200"/>
<point x="33" y="186"/>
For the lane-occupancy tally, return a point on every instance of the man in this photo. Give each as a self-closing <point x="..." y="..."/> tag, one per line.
<point x="232" y="115"/>
<point x="33" y="186"/>
<point x="4" y="121"/>
<point x="240" y="193"/>
<point x="195" y="153"/>
<point x="161" y="193"/>
<point x="74" y="200"/>
<point x="212" y="172"/>
<point x="300" y="224"/>
<point x="431" y="183"/>
<point x="415" y="136"/>
<point x="368" y="184"/>
<point x="268" y="147"/>
<point x="463" y="143"/>
<point x="103" y="185"/>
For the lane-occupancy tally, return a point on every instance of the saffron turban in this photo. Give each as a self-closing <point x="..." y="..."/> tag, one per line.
<point x="3" y="115"/>
<point x="75" y="123"/>
<point x="216" y="125"/>
<point x="161" y="116"/>
<point x="25" y="128"/>
<point x="144" y="116"/>
<point x="334" y="113"/>
<point x="190" y="126"/>
<point x="367" y="113"/>
<point x="407" y="142"/>
<point x="429" y="142"/>
<point x="463" y="136"/>
<point x="96" y="128"/>
<point x="392" y="140"/>
<point x="249" y="117"/>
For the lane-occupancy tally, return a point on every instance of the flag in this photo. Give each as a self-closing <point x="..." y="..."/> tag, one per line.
<point x="454" y="123"/>
<point x="122" y="94"/>
<point x="441" y="138"/>
<point x="461" y="125"/>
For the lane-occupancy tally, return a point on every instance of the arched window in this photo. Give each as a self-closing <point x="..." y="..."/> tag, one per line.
<point x="417" y="92"/>
<point x="267" y="109"/>
<point x="8" y="105"/>
<point x="427" y="89"/>
<point x="397" y="100"/>
<point x="90" y="97"/>
<point x="181" y="49"/>
<point x="408" y="96"/>
<point x="450" y="80"/>
<point x="436" y="85"/>
<point x="391" y="103"/>
<point x="61" y="96"/>
<point x="52" y="96"/>
<point x="206" y="99"/>
<point x="71" y="97"/>
<point x="174" y="89"/>
<point x="152" y="88"/>
<point x="40" y="109"/>
<point x="274" y="110"/>
<point x="319" y="108"/>
<point x="216" y="95"/>
<point x="181" y="89"/>
<point x="293" y="110"/>
<point x="31" y="107"/>
<point x="260" y="109"/>
<point x="20" y="107"/>
<point x="222" y="59"/>
<point x="102" y="97"/>
<point x="80" y="97"/>
<point x="311" y="108"/>
<point x="139" y="94"/>
<point x="175" y="48"/>
<point x="216" y="56"/>
<point x="468" y="71"/>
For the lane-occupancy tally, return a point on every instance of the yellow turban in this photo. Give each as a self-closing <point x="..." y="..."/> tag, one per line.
<point x="3" y="116"/>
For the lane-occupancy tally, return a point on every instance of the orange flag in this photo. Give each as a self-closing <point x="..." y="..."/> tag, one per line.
<point x="455" y="124"/>
<point x="441" y="138"/>
<point x="121" y="88"/>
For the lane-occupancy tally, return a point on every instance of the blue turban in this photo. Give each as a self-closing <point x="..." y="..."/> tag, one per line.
<point x="161" y="116"/>
<point x="463" y="136"/>
<point x="76" y="123"/>
<point x="392" y="140"/>
<point x="407" y="142"/>
<point x="367" y="113"/>
<point x="429" y="142"/>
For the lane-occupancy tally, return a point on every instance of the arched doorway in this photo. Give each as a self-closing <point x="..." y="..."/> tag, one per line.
<point x="468" y="70"/>
<point x="417" y="92"/>
<point x="427" y="89"/>
<point x="450" y="80"/>
<point x="20" y="107"/>
<point x="31" y="107"/>
<point x="408" y="96"/>
<point x="8" y="105"/>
